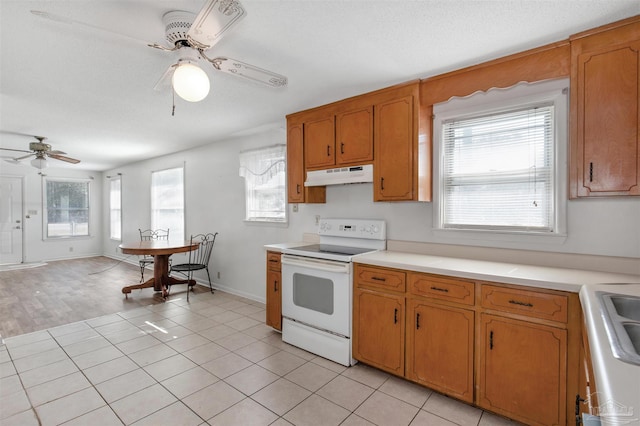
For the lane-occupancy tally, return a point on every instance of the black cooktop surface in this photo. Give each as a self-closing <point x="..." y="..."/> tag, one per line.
<point x="333" y="249"/>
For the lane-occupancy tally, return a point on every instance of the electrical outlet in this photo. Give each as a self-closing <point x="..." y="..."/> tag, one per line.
<point x="294" y="208"/>
<point x="317" y="219"/>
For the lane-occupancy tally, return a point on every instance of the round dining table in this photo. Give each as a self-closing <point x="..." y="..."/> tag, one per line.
<point x="161" y="251"/>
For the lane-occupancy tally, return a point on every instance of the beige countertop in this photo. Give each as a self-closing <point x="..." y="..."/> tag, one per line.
<point x="511" y="273"/>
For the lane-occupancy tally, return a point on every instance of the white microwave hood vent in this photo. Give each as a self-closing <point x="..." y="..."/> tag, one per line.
<point x="341" y="175"/>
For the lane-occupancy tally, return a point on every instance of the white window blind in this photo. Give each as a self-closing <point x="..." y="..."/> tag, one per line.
<point x="498" y="170"/>
<point x="264" y="173"/>
<point x="167" y="201"/>
<point x="115" y="208"/>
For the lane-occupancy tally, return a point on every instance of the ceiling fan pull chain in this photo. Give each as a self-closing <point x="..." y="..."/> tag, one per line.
<point x="173" y="97"/>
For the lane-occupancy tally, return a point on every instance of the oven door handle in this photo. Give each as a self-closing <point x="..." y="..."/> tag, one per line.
<point x="318" y="264"/>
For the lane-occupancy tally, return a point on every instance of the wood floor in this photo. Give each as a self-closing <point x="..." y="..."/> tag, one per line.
<point x="67" y="291"/>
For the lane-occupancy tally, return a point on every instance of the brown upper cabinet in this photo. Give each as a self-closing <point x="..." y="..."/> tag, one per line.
<point x="354" y="136"/>
<point x="605" y="111"/>
<point x="380" y="127"/>
<point x="296" y="191"/>
<point x="341" y="139"/>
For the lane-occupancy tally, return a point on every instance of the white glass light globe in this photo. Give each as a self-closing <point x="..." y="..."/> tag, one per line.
<point x="39" y="163"/>
<point x="190" y="82"/>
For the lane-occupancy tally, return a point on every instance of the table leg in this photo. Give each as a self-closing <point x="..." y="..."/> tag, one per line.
<point x="149" y="283"/>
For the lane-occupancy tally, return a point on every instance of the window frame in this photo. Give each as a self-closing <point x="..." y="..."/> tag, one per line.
<point x="45" y="206"/>
<point x="504" y="99"/>
<point x="250" y="190"/>
<point x="118" y="237"/>
<point x="173" y="233"/>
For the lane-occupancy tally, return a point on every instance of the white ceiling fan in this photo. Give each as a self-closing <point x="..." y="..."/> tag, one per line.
<point x="41" y="151"/>
<point x="191" y="35"/>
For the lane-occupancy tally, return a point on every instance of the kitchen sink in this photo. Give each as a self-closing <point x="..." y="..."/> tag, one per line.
<point x="621" y="315"/>
<point x="627" y="306"/>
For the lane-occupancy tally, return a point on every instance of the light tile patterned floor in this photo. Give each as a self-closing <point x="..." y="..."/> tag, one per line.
<point x="211" y="361"/>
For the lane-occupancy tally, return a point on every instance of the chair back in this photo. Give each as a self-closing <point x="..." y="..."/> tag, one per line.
<point x="202" y="254"/>
<point x="154" y="234"/>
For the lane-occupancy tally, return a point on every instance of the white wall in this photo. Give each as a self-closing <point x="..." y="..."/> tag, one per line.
<point x="35" y="247"/>
<point x="215" y="203"/>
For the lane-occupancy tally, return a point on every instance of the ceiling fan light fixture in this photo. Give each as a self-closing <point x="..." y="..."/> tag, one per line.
<point x="39" y="162"/>
<point x="190" y="82"/>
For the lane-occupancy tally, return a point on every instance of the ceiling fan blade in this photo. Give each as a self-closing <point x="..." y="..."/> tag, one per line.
<point x="213" y="21"/>
<point x="165" y="81"/>
<point x="68" y="21"/>
<point x="56" y="152"/>
<point x="24" y="156"/>
<point x="250" y="72"/>
<point x="16" y="150"/>
<point x="63" y="158"/>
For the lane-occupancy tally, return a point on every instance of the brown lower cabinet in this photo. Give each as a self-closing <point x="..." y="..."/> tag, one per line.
<point x="509" y="349"/>
<point x="274" y="291"/>
<point x="522" y="370"/>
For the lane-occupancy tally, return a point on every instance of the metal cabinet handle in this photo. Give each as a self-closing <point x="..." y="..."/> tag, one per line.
<point x="328" y="151"/>
<point x="444" y="290"/>
<point x="491" y="340"/>
<point x="275" y="285"/>
<point x="517" y="302"/>
<point x="590" y="172"/>
<point x="382" y="183"/>
<point x="297" y="188"/>
<point x="395" y="316"/>
<point x="418" y="321"/>
<point x="342" y="148"/>
<point x="378" y="278"/>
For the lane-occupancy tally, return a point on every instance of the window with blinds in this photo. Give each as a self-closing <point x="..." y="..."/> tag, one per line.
<point x="500" y="162"/>
<point x="498" y="170"/>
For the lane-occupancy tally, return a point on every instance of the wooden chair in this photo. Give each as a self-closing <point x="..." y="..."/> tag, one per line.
<point x="150" y="235"/>
<point x="198" y="258"/>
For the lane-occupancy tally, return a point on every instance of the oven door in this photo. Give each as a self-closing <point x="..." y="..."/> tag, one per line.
<point x="317" y="292"/>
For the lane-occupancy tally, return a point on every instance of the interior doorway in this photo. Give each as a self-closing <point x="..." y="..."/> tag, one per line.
<point x="11" y="225"/>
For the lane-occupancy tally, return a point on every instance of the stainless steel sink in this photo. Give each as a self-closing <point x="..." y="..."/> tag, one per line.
<point x="621" y="315"/>
<point x="627" y="306"/>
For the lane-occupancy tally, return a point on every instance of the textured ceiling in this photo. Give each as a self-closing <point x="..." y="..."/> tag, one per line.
<point x="88" y="86"/>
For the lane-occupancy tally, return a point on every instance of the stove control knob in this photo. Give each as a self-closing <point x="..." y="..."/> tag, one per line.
<point x="375" y="229"/>
<point x="367" y="229"/>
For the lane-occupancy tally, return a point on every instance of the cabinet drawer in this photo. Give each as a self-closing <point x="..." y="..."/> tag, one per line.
<point x="443" y="288"/>
<point x="273" y="261"/>
<point x="525" y="302"/>
<point x="380" y="278"/>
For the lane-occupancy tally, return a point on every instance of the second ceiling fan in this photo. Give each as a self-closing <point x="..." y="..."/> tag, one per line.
<point x="192" y="35"/>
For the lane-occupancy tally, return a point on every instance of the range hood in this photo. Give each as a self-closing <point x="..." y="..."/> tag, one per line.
<point x="341" y="175"/>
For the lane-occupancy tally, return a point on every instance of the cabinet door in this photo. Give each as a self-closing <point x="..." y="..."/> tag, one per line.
<point x="523" y="370"/>
<point x="274" y="299"/>
<point x="295" y="167"/>
<point x="319" y="143"/>
<point x="608" y="84"/>
<point x="354" y="137"/>
<point x="440" y="348"/>
<point x="378" y="330"/>
<point x="394" y="148"/>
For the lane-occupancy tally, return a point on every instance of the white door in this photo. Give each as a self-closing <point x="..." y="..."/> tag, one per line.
<point x="10" y="220"/>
